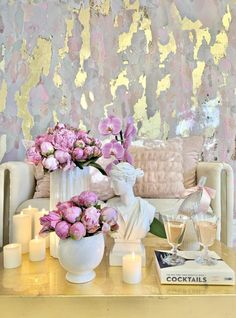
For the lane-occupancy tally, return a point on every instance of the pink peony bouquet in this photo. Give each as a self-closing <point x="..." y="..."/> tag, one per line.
<point x="118" y="147"/>
<point x="79" y="217"/>
<point x="64" y="147"/>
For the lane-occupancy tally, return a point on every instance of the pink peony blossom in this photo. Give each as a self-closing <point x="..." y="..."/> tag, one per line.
<point x="88" y="140"/>
<point x="72" y="214"/>
<point x="62" y="206"/>
<point x="75" y="200"/>
<point x="62" y="229"/>
<point x="113" y="148"/>
<point x="50" y="163"/>
<point x="109" y="125"/>
<point x="97" y="152"/>
<point x="33" y="155"/>
<point x="45" y="230"/>
<point x="46" y="148"/>
<point x="88" y="152"/>
<point x="51" y="219"/>
<point x="80" y="144"/>
<point x="86" y="199"/>
<point x="80" y="134"/>
<point x="42" y="138"/>
<point x="62" y="156"/>
<point x="77" y="154"/>
<point x="60" y="126"/>
<point x="90" y="219"/>
<point x="77" y="231"/>
<point x="109" y="216"/>
<point x="64" y="147"/>
<point x="64" y="139"/>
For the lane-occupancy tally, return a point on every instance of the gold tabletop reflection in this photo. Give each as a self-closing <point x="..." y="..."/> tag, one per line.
<point x="39" y="289"/>
<point x="47" y="278"/>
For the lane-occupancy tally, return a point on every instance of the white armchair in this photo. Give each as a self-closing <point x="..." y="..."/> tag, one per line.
<point x="17" y="186"/>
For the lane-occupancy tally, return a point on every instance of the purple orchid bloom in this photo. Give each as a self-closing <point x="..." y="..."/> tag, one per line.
<point x="130" y="130"/>
<point x="113" y="148"/>
<point x="110" y="125"/>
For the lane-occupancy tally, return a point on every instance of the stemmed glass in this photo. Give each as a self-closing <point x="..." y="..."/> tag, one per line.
<point x="206" y="227"/>
<point x="175" y="227"/>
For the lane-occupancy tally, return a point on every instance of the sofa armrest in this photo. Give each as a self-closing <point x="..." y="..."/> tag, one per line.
<point x="1" y="207"/>
<point x="220" y="177"/>
<point x="19" y="184"/>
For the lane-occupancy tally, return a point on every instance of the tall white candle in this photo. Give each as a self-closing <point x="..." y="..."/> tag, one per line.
<point x="37" y="249"/>
<point x="12" y="255"/>
<point x="38" y="226"/>
<point x="54" y="241"/>
<point x="21" y="230"/>
<point x="31" y="211"/>
<point x="132" y="268"/>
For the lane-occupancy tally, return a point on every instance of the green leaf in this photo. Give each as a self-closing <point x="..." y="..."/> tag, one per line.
<point x="97" y="166"/>
<point x="157" y="228"/>
<point x="88" y="163"/>
<point x="80" y="165"/>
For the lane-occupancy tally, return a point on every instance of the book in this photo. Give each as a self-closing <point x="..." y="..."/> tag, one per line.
<point x="192" y="273"/>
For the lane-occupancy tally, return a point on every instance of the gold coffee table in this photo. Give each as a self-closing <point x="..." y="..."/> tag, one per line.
<point x="39" y="289"/>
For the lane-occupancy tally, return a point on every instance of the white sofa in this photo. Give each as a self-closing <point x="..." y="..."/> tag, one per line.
<point x="17" y="185"/>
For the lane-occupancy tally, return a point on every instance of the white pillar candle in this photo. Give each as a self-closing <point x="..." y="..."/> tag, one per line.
<point x="54" y="241"/>
<point x="21" y="230"/>
<point x="132" y="268"/>
<point x="37" y="249"/>
<point x="31" y="211"/>
<point x="12" y="255"/>
<point x="38" y="226"/>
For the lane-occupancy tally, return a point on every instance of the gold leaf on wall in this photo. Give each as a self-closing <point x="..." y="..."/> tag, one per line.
<point x="3" y="95"/>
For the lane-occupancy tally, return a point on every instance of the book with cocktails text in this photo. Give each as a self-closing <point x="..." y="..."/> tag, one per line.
<point x="191" y="273"/>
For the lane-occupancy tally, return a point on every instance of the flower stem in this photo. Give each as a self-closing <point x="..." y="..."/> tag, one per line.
<point x="121" y="137"/>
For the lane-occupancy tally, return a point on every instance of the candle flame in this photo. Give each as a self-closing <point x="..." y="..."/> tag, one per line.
<point x="29" y="207"/>
<point x="133" y="255"/>
<point x="21" y="213"/>
<point x="36" y="237"/>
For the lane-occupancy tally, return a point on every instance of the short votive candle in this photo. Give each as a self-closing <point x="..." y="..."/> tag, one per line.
<point x="12" y="255"/>
<point x="37" y="249"/>
<point x="132" y="268"/>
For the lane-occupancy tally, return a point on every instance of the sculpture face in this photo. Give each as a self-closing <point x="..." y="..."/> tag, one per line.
<point x="120" y="187"/>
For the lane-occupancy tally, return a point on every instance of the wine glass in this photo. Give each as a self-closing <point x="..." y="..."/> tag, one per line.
<point x="206" y="226"/>
<point x="175" y="227"/>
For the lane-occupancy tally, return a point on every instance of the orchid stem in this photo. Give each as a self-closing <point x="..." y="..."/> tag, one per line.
<point x="121" y="137"/>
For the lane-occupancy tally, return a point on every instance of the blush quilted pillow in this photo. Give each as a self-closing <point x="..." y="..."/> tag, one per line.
<point x="42" y="189"/>
<point x="162" y="164"/>
<point x="192" y="148"/>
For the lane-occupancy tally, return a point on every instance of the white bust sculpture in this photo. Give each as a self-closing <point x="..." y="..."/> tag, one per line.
<point x="134" y="213"/>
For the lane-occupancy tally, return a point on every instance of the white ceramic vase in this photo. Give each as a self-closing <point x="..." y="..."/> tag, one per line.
<point x="66" y="184"/>
<point x="80" y="258"/>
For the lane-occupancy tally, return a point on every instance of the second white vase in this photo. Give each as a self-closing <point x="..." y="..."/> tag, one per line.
<point x="66" y="184"/>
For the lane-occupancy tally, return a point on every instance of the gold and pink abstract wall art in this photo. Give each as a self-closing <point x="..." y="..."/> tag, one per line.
<point x="168" y="63"/>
